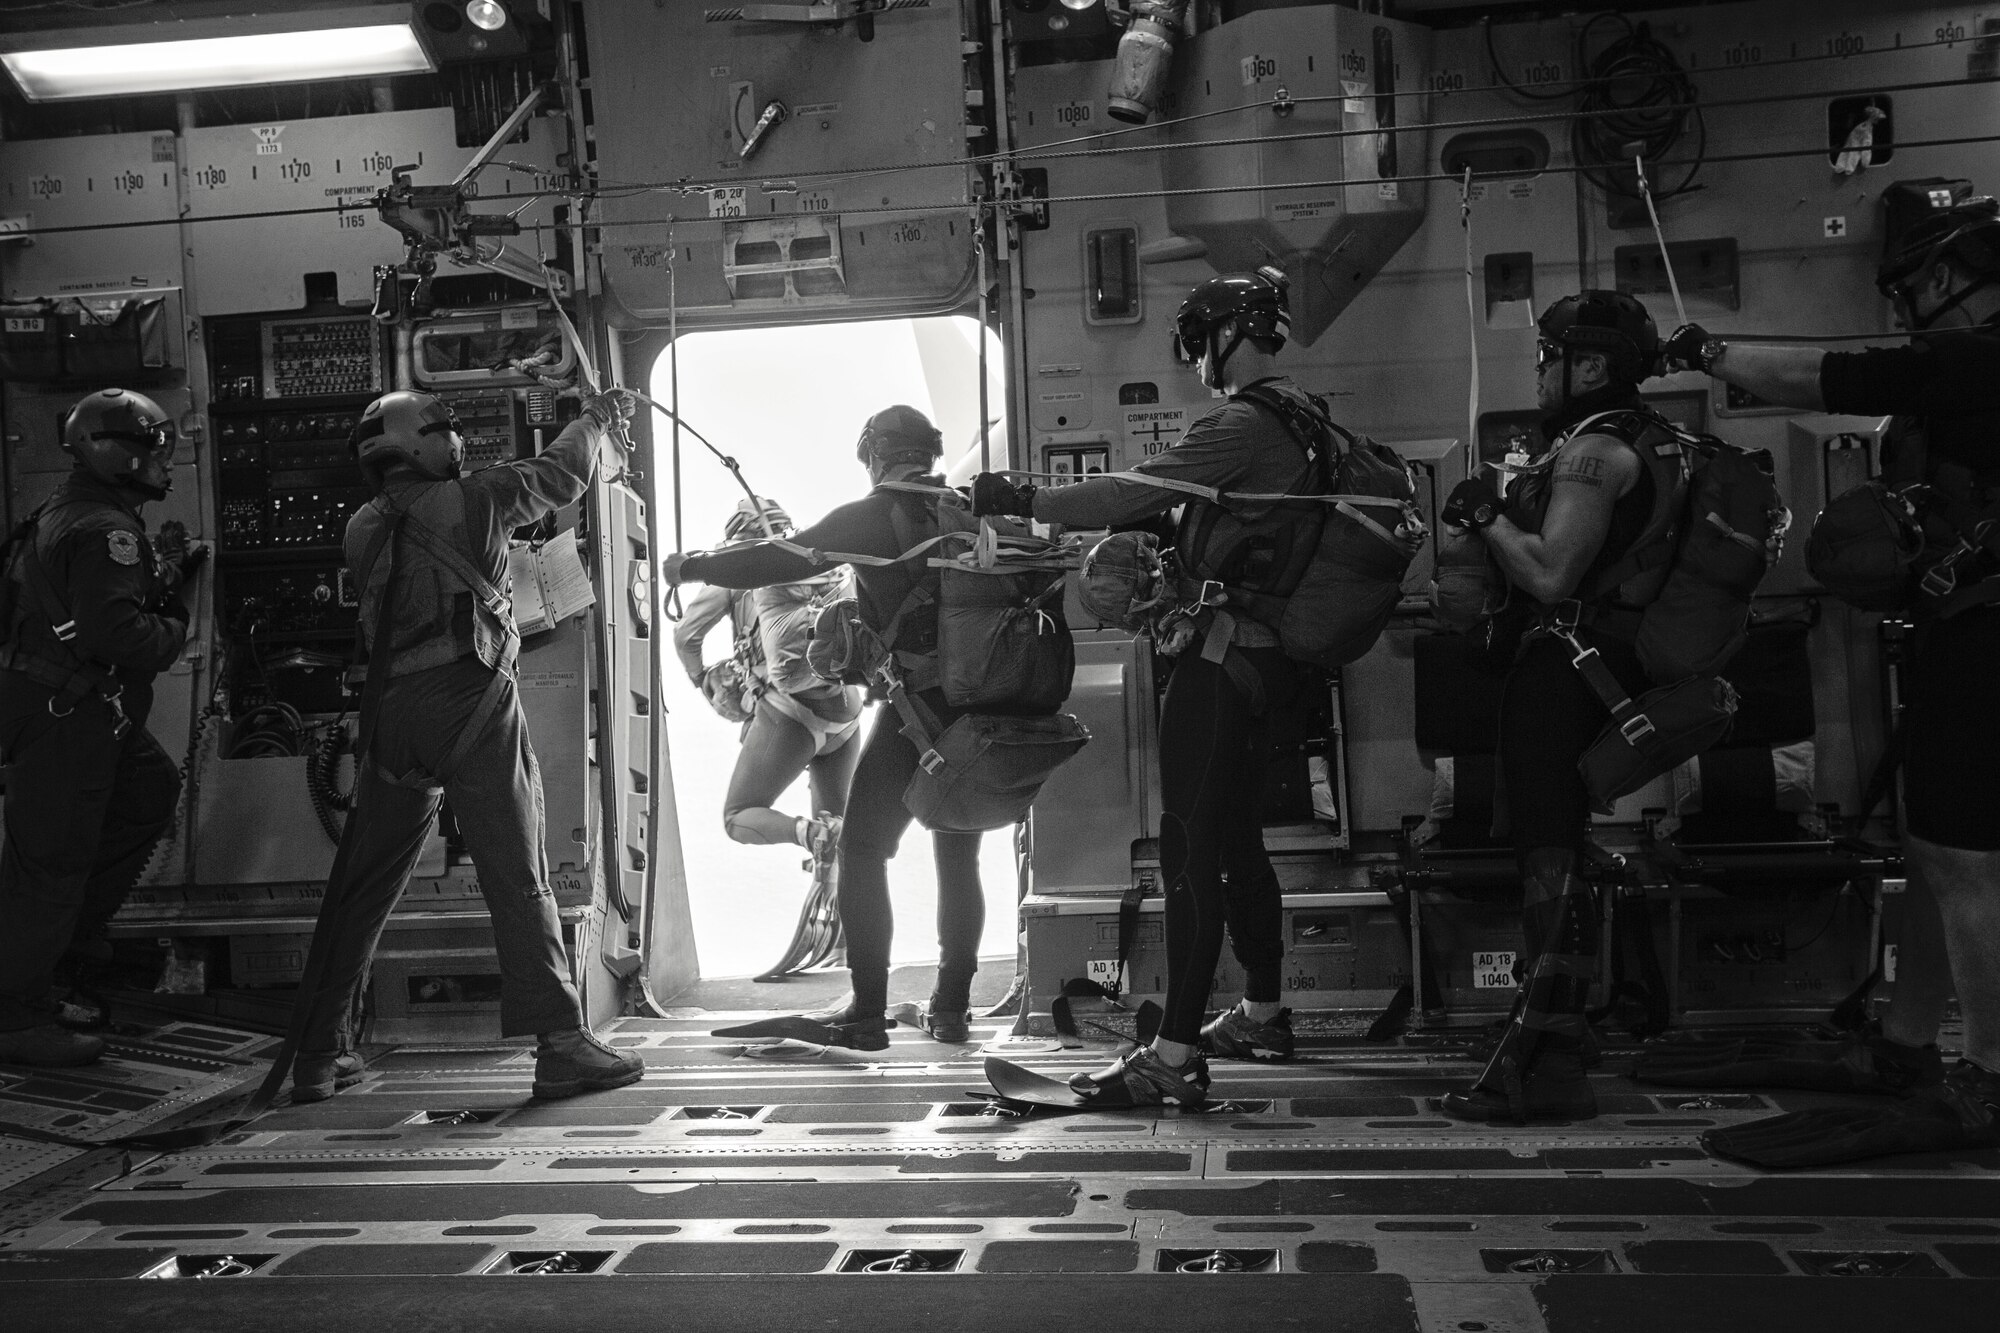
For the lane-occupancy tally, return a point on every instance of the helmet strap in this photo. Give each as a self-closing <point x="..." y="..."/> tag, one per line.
<point x="1220" y="359"/>
<point x="1957" y="299"/>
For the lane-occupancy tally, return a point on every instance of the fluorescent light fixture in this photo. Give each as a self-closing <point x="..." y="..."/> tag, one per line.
<point x="231" y="59"/>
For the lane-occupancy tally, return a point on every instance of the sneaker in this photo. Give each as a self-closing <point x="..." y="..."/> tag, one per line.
<point x="317" y="1077"/>
<point x="574" y="1060"/>
<point x="953" y="1025"/>
<point x="1237" y="1036"/>
<point x="48" y="1045"/>
<point x="1142" y="1078"/>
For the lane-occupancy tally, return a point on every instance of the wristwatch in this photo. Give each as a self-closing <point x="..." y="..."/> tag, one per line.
<point x="1711" y="348"/>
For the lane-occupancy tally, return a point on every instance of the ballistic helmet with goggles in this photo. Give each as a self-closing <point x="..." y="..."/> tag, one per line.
<point x="746" y="523"/>
<point x="1256" y="301"/>
<point x="1966" y="234"/>
<point x="1611" y="324"/>
<point x="418" y="430"/>
<point x="122" y="438"/>
<point x="899" y="434"/>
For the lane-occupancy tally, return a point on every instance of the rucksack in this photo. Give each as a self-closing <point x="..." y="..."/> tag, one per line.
<point x="1866" y="546"/>
<point x="1718" y="525"/>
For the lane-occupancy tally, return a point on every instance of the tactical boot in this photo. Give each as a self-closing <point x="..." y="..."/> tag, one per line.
<point x="1237" y="1036"/>
<point x="48" y="1045"/>
<point x="574" y="1060"/>
<point x="1142" y="1078"/>
<point x="1553" y="1087"/>
<point x="317" y="1077"/>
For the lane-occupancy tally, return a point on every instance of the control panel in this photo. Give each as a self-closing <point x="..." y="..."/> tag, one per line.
<point x="490" y="424"/>
<point x="286" y="393"/>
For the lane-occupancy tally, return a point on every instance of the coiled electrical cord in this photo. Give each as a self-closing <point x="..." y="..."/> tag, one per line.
<point x="1635" y="96"/>
<point x="329" y="802"/>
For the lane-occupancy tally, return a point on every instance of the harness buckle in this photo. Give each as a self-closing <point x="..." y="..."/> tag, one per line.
<point x="1942" y="578"/>
<point x="1212" y="593"/>
<point x="1636" y="728"/>
<point x="120" y="724"/>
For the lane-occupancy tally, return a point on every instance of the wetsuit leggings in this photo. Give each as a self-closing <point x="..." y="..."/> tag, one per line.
<point x="776" y="749"/>
<point x="1214" y="749"/>
<point x="876" y="818"/>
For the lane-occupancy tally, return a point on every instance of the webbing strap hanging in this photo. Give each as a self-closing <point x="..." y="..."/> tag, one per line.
<point x="1471" y="330"/>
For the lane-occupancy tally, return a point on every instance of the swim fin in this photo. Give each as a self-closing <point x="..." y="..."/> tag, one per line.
<point x="1859" y="1063"/>
<point x="1961" y="1112"/>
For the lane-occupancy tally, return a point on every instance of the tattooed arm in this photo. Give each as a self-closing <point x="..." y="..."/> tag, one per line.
<point x="1591" y="475"/>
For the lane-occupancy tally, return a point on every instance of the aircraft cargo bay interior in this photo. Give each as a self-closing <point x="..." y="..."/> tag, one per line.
<point x="1000" y="664"/>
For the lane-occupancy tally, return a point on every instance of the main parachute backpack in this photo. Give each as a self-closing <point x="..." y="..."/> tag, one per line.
<point x="1328" y="576"/>
<point x="1684" y="589"/>
<point x="1004" y="649"/>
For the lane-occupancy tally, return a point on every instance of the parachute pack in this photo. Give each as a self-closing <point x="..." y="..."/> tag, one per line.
<point x="1925" y="536"/>
<point x="1004" y="653"/>
<point x="1325" y="576"/>
<point x="1682" y="592"/>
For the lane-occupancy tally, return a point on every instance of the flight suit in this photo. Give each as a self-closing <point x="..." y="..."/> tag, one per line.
<point x="452" y="651"/>
<point x="89" y="791"/>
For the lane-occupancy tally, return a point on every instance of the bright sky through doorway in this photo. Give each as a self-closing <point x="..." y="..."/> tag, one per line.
<point x="788" y="404"/>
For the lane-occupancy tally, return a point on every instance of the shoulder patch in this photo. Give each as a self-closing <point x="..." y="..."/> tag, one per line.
<point x="124" y="546"/>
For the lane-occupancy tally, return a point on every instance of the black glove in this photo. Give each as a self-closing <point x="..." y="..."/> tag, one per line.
<point x="1472" y="504"/>
<point x="170" y="605"/>
<point x="1691" y="347"/>
<point x="994" y="494"/>
<point x="196" y="557"/>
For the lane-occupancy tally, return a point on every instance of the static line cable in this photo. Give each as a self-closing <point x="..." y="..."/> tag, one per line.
<point x="673" y="608"/>
<point x="735" y="468"/>
<point x="908" y="210"/>
<point x="691" y="186"/>
<point x="1471" y="330"/>
<point x="1666" y="260"/>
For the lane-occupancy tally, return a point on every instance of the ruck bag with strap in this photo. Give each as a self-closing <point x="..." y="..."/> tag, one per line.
<point x="982" y="771"/>
<point x="1653" y="734"/>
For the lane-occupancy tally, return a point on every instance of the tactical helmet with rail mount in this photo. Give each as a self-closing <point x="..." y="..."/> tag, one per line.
<point x="1257" y="302"/>
<point x="1611" y="324"/>
<point x="122" y="438"/>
